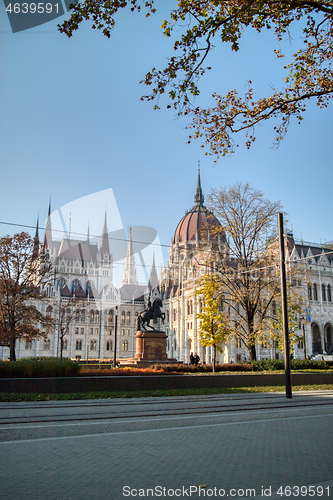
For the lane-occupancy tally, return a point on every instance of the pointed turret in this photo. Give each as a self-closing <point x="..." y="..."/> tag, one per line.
<point x="35" y="251"/>
<point x="153" y="278"/>
<point x="47" y="240"/>
<point x="130" y="245"/>
<point x="129" y="274"/>
<point x="105" y="249"/>
<point x="88" y="237"/>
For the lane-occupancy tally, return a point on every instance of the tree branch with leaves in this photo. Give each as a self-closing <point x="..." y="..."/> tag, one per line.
<point x="203" y="23"/>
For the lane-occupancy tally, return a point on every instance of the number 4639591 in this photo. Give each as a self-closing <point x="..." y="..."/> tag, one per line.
<point x="303" y="491"/>
<point x="32" y="8"/>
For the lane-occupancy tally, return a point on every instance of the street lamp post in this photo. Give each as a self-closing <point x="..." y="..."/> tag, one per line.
<point x="284" y="308"/>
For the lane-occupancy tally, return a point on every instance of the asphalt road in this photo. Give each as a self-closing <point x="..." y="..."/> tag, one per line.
<point x="221" y="446"/>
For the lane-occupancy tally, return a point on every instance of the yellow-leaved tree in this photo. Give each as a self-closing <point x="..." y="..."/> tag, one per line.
<point x="214" y="327"/>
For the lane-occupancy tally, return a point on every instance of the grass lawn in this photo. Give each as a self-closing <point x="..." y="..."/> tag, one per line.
<point x="13" y="397"/>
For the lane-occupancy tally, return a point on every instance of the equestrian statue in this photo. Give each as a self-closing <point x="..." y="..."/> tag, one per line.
<point x="153" y="311"/>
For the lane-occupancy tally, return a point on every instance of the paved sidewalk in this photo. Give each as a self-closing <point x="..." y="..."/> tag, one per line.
<point x="241" y="455"/>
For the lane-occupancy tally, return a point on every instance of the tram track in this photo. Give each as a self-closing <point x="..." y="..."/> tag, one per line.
<point x="150" y="408"/>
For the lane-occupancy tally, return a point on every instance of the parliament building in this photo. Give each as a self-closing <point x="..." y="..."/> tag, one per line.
<point x="83" y="286"/>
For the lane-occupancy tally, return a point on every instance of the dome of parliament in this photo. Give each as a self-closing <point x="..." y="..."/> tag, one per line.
<point x="199" y="224"/>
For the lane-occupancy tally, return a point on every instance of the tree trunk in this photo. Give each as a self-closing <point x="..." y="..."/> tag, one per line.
<point x="12" y="356"/>
<point x="214" y="346"/>
<point x="251" y="346"/>
<point x="252" y="353"/>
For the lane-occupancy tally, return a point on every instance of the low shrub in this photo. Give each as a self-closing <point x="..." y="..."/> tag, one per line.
<point x="304" y="364"/>
<point x="268" y="365"/>
<point x="34" y="368"/>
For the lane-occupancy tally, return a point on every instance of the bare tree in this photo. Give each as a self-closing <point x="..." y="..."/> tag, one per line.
<point x="66" y="315"/>
<point x="249" y="279"/>
<point x="24" y="276"/>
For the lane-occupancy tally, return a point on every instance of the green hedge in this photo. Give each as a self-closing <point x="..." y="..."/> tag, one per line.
<point x="295" y="364"/>
<point x="256" y="366"/>
<point x="27" y="368"/>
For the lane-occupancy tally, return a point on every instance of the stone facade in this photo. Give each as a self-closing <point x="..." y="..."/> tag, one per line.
<point x="83" y="285"/>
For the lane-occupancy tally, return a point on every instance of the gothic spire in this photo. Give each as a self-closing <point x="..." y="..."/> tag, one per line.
<point x="105" y="238"/>
<point x="88" y="237"/>
<point x="153" y="283"/>
<point x="47" y="240"/>
<point x="35" y="251"/>
<point x="130" y="244"/>
<point x="129" y="274"/>
<point x="199" y="197"/>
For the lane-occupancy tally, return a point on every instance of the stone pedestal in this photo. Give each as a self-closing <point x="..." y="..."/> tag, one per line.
<point x="151" y="347"/>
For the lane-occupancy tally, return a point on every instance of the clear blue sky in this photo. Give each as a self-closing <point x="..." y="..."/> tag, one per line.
<point x="72" y="124"/>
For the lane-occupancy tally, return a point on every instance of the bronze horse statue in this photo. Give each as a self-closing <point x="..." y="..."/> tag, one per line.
<point x="153" y="312"/>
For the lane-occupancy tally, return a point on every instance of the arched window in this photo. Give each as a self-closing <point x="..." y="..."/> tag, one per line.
<point x="64" y="344"/>
<point x="109" y="346"/>
<point x="93" y="345"/>
<point x="61" y="283"/>
<point x="323" y="293"/>
<point x="96" y="316"/>
<point x="128" y="318"/>
<point x="329" y="295"/>
<point x="75" y="285"/>
<point x="48" y="311"/>
<point x="83" y="315"/>
<point x="309" y="291"/>
<point x="315" y="293"/>
<point x="110" y="316"/>
<point x="122" y="317"/>
<point x="91" y="316"/>
<point x="77" y="315"/>
<point x="78" y="345"/>
<point x="125" y="345"/>
<point x="316" y="339"/>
